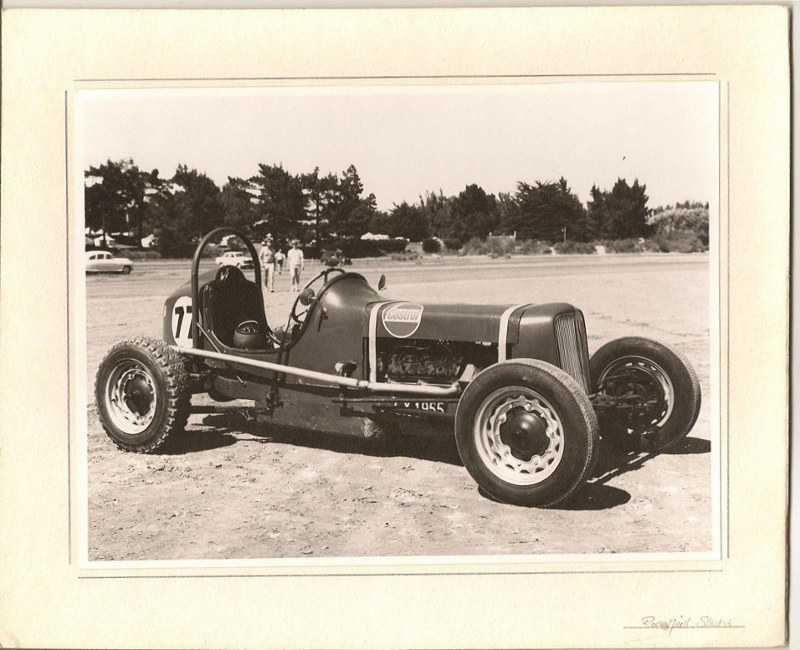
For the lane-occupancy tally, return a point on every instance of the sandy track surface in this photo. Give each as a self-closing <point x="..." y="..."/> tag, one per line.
<point x="232" y="488"/>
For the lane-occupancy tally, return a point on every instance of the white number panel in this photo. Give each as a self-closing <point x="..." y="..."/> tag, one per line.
<point x="182" y="321"/>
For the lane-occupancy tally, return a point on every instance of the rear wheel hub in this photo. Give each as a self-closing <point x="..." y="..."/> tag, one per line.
<point x="131" y="397"/>
<point x="642" y="393"/>
<point x="138" y="395"/>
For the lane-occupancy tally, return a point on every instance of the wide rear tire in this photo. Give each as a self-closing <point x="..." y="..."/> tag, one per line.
<point x="142" y="394"/>
<point x="656" y="388"/>
<point x="527" y="433"/>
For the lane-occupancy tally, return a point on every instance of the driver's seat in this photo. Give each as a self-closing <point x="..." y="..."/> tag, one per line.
<point x="231" y="299"/>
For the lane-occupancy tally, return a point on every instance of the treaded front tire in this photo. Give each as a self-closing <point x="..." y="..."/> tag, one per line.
<point x="656" y="387"/>
<point x="142" y="394"/>
<point x="527" y="433"/>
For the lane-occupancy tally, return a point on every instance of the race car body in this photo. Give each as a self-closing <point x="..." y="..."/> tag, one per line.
<point x="514" y="382"/>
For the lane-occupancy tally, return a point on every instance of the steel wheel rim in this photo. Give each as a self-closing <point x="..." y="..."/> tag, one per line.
<point x="497" y="455"/>
<point x="131" y="396"/>
<point x="649" y="369"/>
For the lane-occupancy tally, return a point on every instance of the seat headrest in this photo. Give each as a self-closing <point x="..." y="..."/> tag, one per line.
<point x="230" y="274"/>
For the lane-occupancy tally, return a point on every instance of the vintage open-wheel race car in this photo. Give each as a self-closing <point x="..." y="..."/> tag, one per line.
<point x="514" y="383"/>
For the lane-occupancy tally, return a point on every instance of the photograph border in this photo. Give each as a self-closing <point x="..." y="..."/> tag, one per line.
<point x="719" y="525"/>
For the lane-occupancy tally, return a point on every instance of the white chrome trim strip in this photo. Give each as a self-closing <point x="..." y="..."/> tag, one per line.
<point x="502" y="340"/>
<point x="373" y="338"/>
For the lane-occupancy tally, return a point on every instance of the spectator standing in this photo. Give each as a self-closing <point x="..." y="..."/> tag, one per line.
<point x="279" y="261"/>
<point x="267" y="259"/>
<point x="296" y="263"/>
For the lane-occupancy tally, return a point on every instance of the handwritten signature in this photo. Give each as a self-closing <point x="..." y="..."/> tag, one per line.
<point x="684" y="622"/>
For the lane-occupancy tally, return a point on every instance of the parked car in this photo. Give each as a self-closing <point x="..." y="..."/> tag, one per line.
<point x="105" y="262"/>
<point x="513" y="383"/>
<point x="235" y="258"/>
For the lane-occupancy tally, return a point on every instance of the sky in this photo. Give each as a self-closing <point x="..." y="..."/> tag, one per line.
<point x="405" y="140"/>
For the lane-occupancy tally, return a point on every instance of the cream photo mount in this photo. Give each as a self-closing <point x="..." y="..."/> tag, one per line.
<point x="399" y="610"/>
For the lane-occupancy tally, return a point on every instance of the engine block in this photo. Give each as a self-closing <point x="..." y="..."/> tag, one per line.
<point x="423" y="360"/>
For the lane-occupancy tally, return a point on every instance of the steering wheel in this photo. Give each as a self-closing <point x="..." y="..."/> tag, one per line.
<point x="306" y="295"/>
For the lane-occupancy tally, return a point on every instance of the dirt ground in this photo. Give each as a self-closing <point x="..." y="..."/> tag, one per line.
<point x="236" y="489"/>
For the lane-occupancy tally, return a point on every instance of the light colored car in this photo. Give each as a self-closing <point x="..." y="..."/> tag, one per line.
<point x="105" y="262"/>
<point x="235" y="258"/>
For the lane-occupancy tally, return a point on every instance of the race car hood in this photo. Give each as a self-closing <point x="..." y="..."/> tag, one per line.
<point x="454" y="322"/>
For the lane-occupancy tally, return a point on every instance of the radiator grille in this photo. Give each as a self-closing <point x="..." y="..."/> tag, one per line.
<point x="573" y="351"/>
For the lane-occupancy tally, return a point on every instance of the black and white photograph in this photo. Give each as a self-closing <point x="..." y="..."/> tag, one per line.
<point x="396" y="328"/>
<point x="388" y="320"/>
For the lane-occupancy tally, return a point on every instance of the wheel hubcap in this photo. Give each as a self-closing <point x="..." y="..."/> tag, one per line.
<point x="519" y="436"/>
<point x="131" y="396"/>
<point x="525" y="433"/>
<point x="138" y="395"/>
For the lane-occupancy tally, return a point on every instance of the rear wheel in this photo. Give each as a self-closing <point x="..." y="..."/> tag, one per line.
<point x="526" y="433"/>
<point x="126" y="270"/>
<point x="142" y="394"/>
<point x="645" y="392"/>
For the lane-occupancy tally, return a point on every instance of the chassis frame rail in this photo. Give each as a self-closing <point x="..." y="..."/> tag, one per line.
<point x="345" y="382"/>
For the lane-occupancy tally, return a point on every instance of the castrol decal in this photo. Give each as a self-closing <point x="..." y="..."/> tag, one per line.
<point x="402" y="320"/>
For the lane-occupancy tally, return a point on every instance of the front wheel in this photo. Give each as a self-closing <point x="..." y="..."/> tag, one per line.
<point x="644" y="392"/>
<point x="526" y="433"/>
<point x="142" y="394"/>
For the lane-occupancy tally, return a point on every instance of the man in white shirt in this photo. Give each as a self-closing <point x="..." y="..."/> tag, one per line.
<point x="296" y="263"/>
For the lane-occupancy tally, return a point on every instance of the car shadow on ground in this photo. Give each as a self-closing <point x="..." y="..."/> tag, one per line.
<point x="689" y="446"/>
<point x="194" y="441"/>
<point x="438" y="449"/>
<point x="612" y="461"/>
<point x="615" y="461"/>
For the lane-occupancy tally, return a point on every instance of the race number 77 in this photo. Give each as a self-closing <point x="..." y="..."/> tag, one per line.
<point x="182" y="321"/>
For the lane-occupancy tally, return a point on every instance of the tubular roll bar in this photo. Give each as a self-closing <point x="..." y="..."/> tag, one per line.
<point x="225" y="230"/>
<point x="346" y="382"/>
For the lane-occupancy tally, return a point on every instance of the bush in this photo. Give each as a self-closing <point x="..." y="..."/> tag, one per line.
<point x="499" y="247"/>
<point x="405" y="256"/>
<point x="504" y="247"/>
<point x="171" y="244"/>
<point x="623" y="246"/>
<point x="531" y="247"/>
<point x="354" y="247"/>
<point x="431" y="245"/>
<point x="452" y="244"/>
<point x="474" y="246"/>
<point x="396" y="245"/>
<point x="573" y="247"/>
<point x="679" y="242"/>
<point x="137" y="254"/>
<point x="493" y="247"/>
<point x="651" y="246"/>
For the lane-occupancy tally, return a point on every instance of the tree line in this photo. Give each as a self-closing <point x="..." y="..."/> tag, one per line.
<point x="324" y="210"/>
